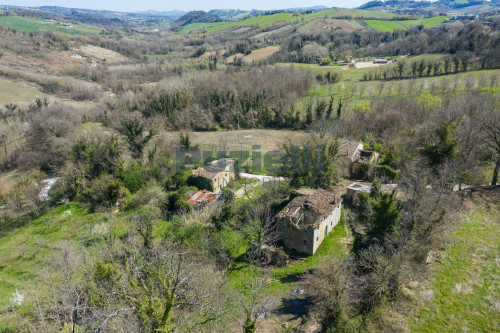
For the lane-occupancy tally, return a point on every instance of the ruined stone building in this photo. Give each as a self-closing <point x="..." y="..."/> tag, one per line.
<point x="304" y="223"/>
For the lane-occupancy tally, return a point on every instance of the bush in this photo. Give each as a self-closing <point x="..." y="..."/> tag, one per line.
<point x="325" y="61"/>
<point x="107" y="191"/>
<point x="386" y="171"/>
<point x="134" y="177"/>
<point x="151" y="194"/>
<point x="177" y="201"/>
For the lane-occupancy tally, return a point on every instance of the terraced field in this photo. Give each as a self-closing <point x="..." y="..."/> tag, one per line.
<point x="366" y="14"/>
<point x="342" y="18"/>
<point x="321" y="25"/>
<point x="31" y="24"/>
<point x="390" y="26"/>
<point x="261" y="21"/>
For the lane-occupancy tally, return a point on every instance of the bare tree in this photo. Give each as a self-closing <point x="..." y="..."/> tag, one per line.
<point x="251" y="301"/>
<point x="334" y="292"/>
<point x="490" y="126"/>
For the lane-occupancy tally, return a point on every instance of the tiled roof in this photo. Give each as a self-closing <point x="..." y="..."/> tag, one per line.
<point x="212" y="168"/>
<point x="320" y="201"/>
<point x="201" y="196"/>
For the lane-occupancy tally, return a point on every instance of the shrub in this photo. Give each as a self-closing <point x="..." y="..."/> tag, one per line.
<point x="386" y="172"/>
<point x="325" y="61"/>
<point x="151" y="194"/>
<point x="97" y="155"/>
<point x="107" y="191"/>
<point x="134" y="177"/>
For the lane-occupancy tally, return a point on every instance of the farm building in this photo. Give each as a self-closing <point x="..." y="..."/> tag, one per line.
<point x="363" y="158"/>
<point x="347" y="153"/>
<point x="203" y="198"/>
<point x="354" y="189"/>
<point x="349" y="149"/>
<point x="380" y="61"/>
<point x="304" y="223"/>
<point x="215" y="175"/>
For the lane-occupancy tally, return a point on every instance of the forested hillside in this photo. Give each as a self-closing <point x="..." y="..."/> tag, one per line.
<point x="297" y="170"/>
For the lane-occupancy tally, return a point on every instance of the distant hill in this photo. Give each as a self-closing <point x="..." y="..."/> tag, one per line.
<point x="197" y="16"/>
<point x="425" y="7"/>
<point x="174" y="14"/>
<point x="230" y="14"/>
<point x="238" y="14"/>
<point x="313" y="8"/>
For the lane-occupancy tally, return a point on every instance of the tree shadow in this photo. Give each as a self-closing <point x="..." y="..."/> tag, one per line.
<point x="297" y="306"/>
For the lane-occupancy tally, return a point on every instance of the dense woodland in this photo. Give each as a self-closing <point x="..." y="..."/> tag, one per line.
<point x="115" y="247"/>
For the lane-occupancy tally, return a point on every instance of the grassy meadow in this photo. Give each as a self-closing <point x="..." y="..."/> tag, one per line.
<point x="390" y="26"/>
<point x="16" y="92"/>
<point x="466" y="281"/>
<point x="32" y="24"/>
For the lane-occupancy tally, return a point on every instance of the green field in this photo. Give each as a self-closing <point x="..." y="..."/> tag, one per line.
<point x="14" y="92"/>
<point x="265" y="20"/>
<point x="285" y="279"/>
<point x="466" y="285"/>
<point x="261" y="21"/>
<point x="354" y="74"/>
<point x="31" y="24"/>
<point x="390" y="26"/>
<point x="367" y="14"/>
<point x="258" y="20"/>
<point x="370" y="90"/>
<point x="353" y="90"/>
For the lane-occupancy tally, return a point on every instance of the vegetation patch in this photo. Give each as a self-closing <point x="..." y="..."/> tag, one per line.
<point x="32" y="24"/>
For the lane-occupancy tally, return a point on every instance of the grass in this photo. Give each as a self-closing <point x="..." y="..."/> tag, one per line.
<point x="390" y="26"/>
<point x="371" y="88"/>
<point x="467" y="282"/>
<point x="28" y="251"/>
<point x="262" y="20"/>
<point x="257" y="20"/>
<point x="14" y="92"/>
<point x="285" y="279"/>
<point x="156" y="56"/>
<point x="32" y="25"/>
<point x="362" y="13"/>
<point x="353" y="78"/>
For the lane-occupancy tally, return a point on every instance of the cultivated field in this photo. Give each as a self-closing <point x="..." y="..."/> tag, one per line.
<point x="390" y="26"/>
<point x="261" y="54"/>
<point x="322" y="25"/>
<point x="268" y="139"/>
<point x="261" y="21"/>
<point x="102" y="54"/>
<point x="31" y="24"/>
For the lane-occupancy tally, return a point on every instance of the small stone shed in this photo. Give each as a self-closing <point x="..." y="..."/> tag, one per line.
<point x="354" y="189"/>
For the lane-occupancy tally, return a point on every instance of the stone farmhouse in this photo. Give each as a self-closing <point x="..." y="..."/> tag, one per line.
<point x="215" y="175"/>
<point x="362" y="159"/>
<point x="353" y="157"/>
<point x="304" y="223"/>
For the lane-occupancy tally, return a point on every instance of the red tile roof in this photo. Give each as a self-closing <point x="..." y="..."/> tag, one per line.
<point x="201" y="196"/>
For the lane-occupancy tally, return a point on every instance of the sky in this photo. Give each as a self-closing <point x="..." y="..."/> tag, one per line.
<point x="186" y="5"/>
